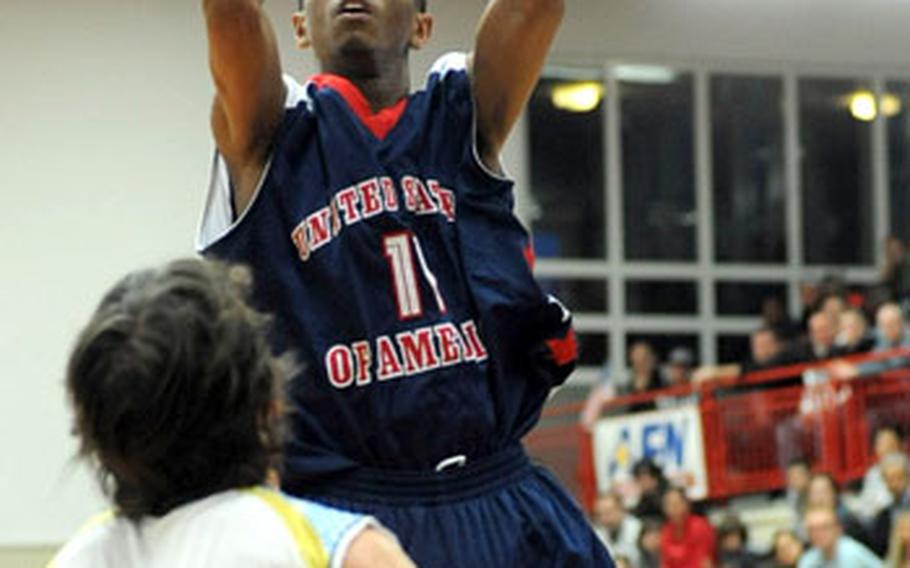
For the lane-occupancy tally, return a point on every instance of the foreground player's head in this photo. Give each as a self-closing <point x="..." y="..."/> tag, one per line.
<point x="175" y="390"/>
<point x="362" y="39"/>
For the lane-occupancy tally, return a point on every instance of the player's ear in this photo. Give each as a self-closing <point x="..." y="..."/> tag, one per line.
<point x="423" y="30"/>
<point x="302" y="37"/>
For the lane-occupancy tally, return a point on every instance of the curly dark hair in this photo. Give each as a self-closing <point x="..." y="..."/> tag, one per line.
<point x="176" y="391"/>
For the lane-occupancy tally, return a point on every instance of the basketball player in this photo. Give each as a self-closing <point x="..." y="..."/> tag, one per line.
<point x="379" y="226"/>
<point x="177" y="396"/>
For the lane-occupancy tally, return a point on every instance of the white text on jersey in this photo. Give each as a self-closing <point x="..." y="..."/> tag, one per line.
<point x="368" y="199"/>
<point x="406" y="354"/>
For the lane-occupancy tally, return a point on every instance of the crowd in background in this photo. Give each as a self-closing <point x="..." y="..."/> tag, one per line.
<point x="867" y="526"/>
<point x="833" y="326"/>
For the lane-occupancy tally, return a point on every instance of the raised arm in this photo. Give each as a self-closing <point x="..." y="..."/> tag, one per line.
<point x="512" y="44"/>
<point x="249" y="101"/>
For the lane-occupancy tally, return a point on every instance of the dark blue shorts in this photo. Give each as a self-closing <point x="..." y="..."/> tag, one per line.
<point x="501" y="511"/>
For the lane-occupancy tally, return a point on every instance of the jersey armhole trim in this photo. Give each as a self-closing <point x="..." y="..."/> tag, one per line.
<point x="214" y="225"/>
<point x="458" y="62"/>
<point x="312" y="552"/>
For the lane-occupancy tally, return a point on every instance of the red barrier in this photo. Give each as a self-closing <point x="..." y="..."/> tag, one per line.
<point x="753" y="426"/>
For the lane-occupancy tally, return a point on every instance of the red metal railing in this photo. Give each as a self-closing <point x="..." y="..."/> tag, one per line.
<point x="752" y="425"/>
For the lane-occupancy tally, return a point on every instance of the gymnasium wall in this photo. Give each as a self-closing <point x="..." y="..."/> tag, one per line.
<point x="104" y="152"/>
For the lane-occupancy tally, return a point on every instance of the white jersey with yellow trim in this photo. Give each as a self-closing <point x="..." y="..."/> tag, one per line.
<point x="250" y="528"/>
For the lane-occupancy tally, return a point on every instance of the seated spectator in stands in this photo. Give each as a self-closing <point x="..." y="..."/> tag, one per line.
<point x="644" y="376"/>
<point x="649" y="544"/>
<point x="823" y="493"/>
<point x="618" y="530"/>
<point x="732" y="544"/>
<point x="899" y="543"/>
<point x="767" y="351"/>
<point x="798" y="475"/>
<point x="875" y="495"/>
<point x="687" y="540"/>
<point x="651" y="484"/>
<point x="644" y="373"/>
<point x="891" y="334"/>
<point x="833" y="305"/>
<point x="895" y="473"/>
<point x="830" y="547"/>
<point x="819" y="345"/>
<point x="896" y="270"/>
<point x="787" y="550"/>
<point x="853" y="336"/>
<point x="678" y="371"/>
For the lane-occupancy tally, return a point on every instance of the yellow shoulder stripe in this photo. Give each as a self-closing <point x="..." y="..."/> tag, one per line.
<point x="94" y="522"/>
<point x="311" y="549"/>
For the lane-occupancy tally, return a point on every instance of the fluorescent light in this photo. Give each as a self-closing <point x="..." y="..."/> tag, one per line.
<point x="863" y="106"/>
<point x="891" y="105"/>
<point x="648" y="74"/>
<point x="577" y="97"/>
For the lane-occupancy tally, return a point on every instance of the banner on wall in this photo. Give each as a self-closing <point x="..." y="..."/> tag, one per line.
<point x="671" y="438"/>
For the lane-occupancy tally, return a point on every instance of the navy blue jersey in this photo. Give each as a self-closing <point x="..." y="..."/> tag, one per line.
<point x="396" y="271"/>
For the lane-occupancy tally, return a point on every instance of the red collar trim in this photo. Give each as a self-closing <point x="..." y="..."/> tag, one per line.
<point x="379" y="123"/>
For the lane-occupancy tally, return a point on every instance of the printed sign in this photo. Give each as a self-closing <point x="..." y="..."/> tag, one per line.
<point x="671" y="438"/>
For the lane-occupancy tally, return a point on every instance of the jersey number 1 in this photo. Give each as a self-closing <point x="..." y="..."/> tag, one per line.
<point x="401" y="249"/>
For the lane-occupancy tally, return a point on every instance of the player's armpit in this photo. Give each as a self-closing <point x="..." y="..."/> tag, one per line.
<point x="245" y="65"/>
<point x="511" y="46"/>
<point x="374" y="548"/>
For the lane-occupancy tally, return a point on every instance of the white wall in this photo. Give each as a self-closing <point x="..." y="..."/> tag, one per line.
<point x="104" y="150"/>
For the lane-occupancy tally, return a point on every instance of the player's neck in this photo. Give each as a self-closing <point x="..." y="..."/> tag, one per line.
<point x="382" y="84"/>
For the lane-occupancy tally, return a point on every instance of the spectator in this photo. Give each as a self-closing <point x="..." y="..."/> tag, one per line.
<point x="899" y="543"/>
<point x="819" y="345"/>
<point x="732" y="544"/>
<point x="687" y="540"/>
<point x="853" y="336"/>
<point x="679" y="367"/>
<point x="618" y="530"/>
<point x="644" y="376"/>
<point x="891" y="334"/>
<point x="891" y="331"/>
<point x="767" y="351"/>
<point x="896" y="270"/>
<point x="788" y="549"/>
<point x="875" y="495"/>
<point x="823" y="493"/>
<point x="649" y="544"/>
<point x="651" y="486"/>
<point x="678" y="373"/>
<point x="798" y="475"/>
<point x="834" y="306"/>
<point x="830" y="547"/>
<point x="894" y="472"/>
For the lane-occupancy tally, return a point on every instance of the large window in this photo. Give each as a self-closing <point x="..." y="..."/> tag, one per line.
<point x="836" y="171"/>
<point x="676" y="206"/>
<point x="658" y="170"/>
<point x="747" y="134"/>
<point x="566" y="120"/>
<point x="895" y="108"/>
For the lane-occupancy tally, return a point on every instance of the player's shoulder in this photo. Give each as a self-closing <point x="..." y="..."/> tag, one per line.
<point x="86" y="547"/>
<point x="455" y="64"/>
